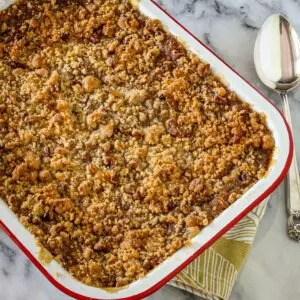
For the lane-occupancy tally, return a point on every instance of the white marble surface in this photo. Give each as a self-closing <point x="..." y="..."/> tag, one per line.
<point x="272" y="270"/>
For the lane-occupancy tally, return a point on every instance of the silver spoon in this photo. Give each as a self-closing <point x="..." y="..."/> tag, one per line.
<point x="277" y="62"/>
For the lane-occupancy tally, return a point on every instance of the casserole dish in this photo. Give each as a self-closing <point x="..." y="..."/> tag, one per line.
<point x="163" y="272"/>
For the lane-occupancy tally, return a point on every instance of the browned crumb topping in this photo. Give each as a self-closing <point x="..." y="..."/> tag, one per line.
<point x="117" y="144"/>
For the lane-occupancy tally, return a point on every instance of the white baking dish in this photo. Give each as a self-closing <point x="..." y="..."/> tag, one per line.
<point x="169" y="268"/>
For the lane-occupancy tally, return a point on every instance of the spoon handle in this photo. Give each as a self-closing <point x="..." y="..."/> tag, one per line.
<point x="292" y="184"/>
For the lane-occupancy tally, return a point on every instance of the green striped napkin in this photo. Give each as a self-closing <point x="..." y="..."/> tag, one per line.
<point x="212" y="275"/>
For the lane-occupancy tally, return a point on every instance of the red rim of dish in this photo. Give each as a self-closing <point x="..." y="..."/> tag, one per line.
<point x="166" y="279"/>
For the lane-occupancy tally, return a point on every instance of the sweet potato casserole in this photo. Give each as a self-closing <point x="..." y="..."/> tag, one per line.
<point x="117" y="144"/>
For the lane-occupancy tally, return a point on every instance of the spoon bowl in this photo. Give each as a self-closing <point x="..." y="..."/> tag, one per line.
<point x="277" y="54"/>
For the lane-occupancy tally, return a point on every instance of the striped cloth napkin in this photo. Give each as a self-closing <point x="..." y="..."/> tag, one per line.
<point x="212" y="275"/>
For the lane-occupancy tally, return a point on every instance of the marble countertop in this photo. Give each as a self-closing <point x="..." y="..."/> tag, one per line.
<point x="272" y="270"/>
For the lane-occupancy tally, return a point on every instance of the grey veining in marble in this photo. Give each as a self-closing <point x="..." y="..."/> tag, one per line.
<point x="272" y="270"/>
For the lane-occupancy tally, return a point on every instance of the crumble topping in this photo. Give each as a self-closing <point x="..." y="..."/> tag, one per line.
<point x="117" y="145"/>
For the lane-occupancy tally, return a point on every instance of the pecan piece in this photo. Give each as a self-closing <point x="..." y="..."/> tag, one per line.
<point x="172" y="128"/>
